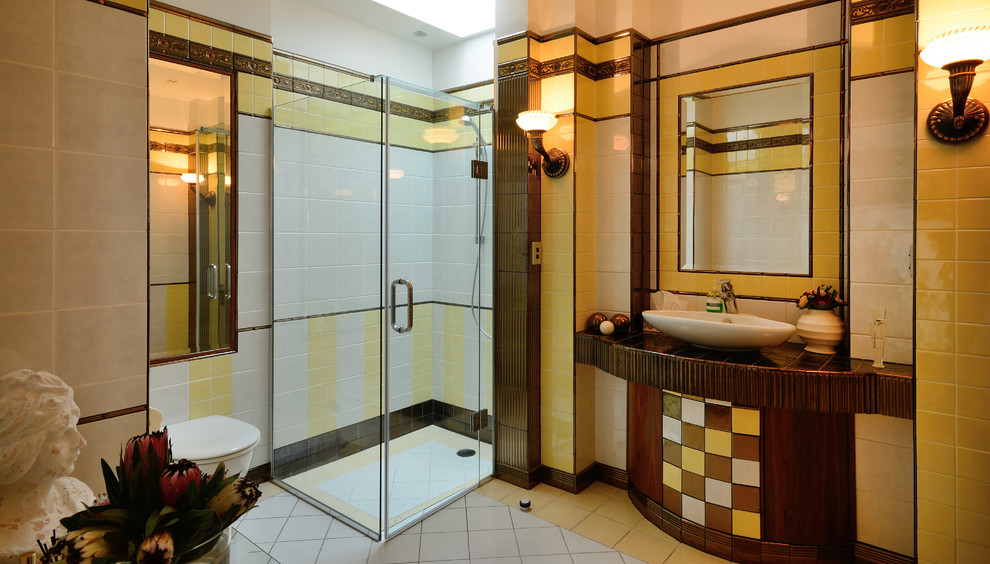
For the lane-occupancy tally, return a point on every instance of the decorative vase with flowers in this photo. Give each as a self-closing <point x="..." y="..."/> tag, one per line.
<point x="156" y="510"/>
<point x="819" y="327"/>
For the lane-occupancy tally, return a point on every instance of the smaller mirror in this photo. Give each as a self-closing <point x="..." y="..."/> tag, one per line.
<point x="192" y="271"/>
<point x="745" y="182"/>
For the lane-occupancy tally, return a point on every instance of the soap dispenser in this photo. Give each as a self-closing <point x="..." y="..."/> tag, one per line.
<point x="714" y="303"/>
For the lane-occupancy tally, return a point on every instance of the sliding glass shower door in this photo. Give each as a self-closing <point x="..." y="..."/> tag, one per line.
<point x="382" y="300"/>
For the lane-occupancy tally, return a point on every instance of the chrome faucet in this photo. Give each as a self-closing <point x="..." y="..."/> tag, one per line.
<point x="727" y="296"/>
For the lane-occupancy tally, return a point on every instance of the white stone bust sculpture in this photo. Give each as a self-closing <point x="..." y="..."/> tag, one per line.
<point x="39" y="445"/>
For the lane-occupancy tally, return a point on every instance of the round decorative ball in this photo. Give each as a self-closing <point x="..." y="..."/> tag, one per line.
<point x="606" y="328"/>
<point x="621" y="322"/>
<point x="595" y="320"/>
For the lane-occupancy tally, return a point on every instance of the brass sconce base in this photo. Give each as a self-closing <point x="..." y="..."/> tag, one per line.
<point x="947" y="128"/>
<point x="556" y="164"/>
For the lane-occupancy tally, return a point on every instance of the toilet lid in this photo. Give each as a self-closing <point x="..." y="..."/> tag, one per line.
<point x="211" y="437"/>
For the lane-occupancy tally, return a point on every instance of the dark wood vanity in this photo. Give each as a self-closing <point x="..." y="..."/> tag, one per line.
<point x="748" y="455"/>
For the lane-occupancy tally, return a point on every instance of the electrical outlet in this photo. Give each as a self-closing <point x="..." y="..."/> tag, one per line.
<point x="537" y="252"/>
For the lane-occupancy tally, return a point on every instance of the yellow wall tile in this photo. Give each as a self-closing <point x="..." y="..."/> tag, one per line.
<point x="745" y="421"/>
<point x="176" y="26"/>
<point x="746" y="524"/>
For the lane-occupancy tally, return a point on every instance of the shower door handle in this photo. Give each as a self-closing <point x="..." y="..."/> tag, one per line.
<point x="409" y="297"/>
<point x="211" y="282"/>
<point x="226" y="291"/>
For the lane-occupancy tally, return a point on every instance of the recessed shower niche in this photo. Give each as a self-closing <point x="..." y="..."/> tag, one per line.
<point x="382" y="296"/>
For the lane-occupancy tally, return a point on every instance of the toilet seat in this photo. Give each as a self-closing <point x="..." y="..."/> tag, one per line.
<point x="211" y="438"/>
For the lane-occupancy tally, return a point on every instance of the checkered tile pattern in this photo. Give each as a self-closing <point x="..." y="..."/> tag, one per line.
<point x="711" y="463"/>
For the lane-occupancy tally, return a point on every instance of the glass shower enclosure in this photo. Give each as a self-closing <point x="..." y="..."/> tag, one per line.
<point x="382" y="299"/>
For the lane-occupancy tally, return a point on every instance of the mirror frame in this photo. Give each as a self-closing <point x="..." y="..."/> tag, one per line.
<point x="825" y="66"/>
<point x="683" y="170"/>
<point x="232" y="228"/>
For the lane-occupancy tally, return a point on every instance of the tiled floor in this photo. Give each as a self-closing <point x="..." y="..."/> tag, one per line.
<point x="599" y="525"/>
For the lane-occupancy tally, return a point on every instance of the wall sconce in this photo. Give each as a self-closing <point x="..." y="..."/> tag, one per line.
<point x="535" y="123"/>
<point x="959" y="52"/>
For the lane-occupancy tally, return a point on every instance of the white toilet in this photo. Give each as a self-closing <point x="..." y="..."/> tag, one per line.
<point x="208" y="441"/>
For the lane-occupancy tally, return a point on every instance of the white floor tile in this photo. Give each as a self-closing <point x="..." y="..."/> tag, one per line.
<point x="482" y="518"/>
<point x="262" y="530"/>
<point x="305" y="527"/>
<point x="535" y="542"/>
<point x="491" y="544"/>
<point x="446" y="520"/>
<point x="443" y="546"/>
<point x="526" y="520"/>
<point x="548" y="559"/>
<point x="401" y="549"/>
<point x="278" y="506"/>
<point x="297" y="552"/>
<point x="350" y="550"/>
<point x="577" y="544"/>
<point x="597" y="558"/>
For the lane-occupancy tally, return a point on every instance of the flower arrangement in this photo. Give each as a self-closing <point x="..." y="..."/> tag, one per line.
<point x="156" y="510"/>
<point x="822" y="297"/>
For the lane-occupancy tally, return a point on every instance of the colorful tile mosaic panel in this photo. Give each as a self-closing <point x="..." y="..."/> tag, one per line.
<point x="711" y="463"/>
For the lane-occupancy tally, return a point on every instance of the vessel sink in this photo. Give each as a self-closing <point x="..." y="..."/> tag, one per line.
<point x="725" y="331"/>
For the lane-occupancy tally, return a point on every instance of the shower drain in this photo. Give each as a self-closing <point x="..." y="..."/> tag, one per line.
<point x="465" y="452"/>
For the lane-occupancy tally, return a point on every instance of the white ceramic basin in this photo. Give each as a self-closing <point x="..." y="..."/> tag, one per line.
<point x="727" y="331"/>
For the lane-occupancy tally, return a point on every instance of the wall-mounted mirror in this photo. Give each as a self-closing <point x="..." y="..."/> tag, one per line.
<point x="192" y="269"/>
<point x="745" y="180"/>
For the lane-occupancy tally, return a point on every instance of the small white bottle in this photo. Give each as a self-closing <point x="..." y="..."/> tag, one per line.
<point x="714" y="303"/>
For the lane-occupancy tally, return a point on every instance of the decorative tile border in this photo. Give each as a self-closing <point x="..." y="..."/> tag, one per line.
<point x="191" y="52"/>
<point x="744" y="145"/>
<point x="365" y="101"/>
<point x="783" y="377"/>
<point x="564" y="65"/>
<point x="873" y="10"/>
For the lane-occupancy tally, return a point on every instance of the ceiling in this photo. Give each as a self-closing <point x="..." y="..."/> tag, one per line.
<point x="180" y="82"/>
<point x="376" y="16"/>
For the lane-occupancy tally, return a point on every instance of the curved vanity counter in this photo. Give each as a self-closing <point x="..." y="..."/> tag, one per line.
<point x="784" y="376"/>
<point x="748" y="455"/>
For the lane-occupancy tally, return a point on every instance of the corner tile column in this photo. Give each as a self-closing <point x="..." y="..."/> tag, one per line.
<point x="516" y="216"/>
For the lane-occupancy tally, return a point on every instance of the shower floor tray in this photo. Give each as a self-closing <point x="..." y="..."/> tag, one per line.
<point x="424" y="469"/>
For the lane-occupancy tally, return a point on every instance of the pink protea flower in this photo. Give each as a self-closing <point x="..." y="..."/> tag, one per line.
<point x="176" y="478"/>
<point x="156" y="549"/>
<point x="156" y="442"/>
<point x="240" y="495"/>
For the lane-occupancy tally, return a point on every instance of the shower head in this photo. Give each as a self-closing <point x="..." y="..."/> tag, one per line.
<point x="466" y="120"/>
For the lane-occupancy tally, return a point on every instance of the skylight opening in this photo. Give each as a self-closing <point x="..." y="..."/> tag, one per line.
<point x="457" y="17"/>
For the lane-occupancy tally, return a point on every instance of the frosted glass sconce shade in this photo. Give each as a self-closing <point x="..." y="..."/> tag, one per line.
<point x="535" y="123"/>
<point x="959" y="52"/>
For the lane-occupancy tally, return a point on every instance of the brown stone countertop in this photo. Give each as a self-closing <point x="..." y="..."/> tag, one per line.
<point x="781" y="377"/>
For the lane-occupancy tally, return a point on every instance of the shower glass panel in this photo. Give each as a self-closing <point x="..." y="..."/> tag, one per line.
<point x="213" y="256"/>
<point x="377" y="409"/>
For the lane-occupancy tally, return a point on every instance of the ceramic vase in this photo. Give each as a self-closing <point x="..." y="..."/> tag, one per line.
<point x="821" y="329"/>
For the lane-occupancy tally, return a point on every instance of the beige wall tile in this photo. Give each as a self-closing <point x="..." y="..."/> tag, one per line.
<point x="101" y="192"/>
<point x="26" y="341"/>
<point x="102" y="344"/>
<point x="885" y="522"/>
<point x="97" y="116"/>
<point x="104" y="397"/>
<point x="101" y="268"/>
<point x="101" y="42"/>
<point x="26" y="112"/>
<point x="26" y="32"/>
<point x="26" y="275"/>
<point x="104" y="440"/>
<point x="26" y="188"/>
